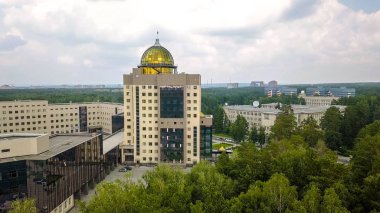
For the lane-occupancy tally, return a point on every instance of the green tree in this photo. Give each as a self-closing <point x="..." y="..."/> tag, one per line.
<point x="312" y="199"/>
<point x="310" y="131"/>
<point x="366" y="157"/>
<point x="168" y="186"/>
<point x="22" y="206"/>
<point x="253" y="135"/>
<point x="284" y="126"/>
<point x="209" y="187"/>
<point x="262" y="136"/>
<point x="239" y="129"/>
<point x="331" y="123"/>
<point x="371" y="192"/>
<point x="278" y="192"/>
<point x="331" y="202"/>
<point x="219" y="120"/>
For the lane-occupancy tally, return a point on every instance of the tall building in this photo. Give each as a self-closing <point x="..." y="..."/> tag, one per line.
<point x="161" y="111"/>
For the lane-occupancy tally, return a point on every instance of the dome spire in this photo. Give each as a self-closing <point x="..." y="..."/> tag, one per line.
<point x="157" y="43"/>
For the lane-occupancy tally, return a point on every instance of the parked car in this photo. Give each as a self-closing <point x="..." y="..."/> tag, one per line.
<point x="125" y="169"/>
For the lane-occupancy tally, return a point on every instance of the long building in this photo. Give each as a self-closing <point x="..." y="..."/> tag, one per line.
<point x="317" y="100"/>
<point x="331" y="91"/>
<point x="53" y="170"/>
<point x="267" y="114"/>
<point x="162" y="111"/>
<point x="38" y="116"/>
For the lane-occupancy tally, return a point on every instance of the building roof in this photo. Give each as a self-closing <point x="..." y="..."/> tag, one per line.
<point x="297" y="109"/>
<point x="13" y="136"/>
<point x="57" y="144"/>
<point x="112" y="141"/>
<point x="157" y="59"/>
<point x="253" y="109"/>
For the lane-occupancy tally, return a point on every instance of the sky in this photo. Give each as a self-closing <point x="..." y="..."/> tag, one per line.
<point x="45" y="42"/>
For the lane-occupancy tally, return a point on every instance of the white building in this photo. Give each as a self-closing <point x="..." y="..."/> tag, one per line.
<point x="267" y="114"/>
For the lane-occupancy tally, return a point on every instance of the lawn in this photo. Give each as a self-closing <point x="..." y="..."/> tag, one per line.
<point x="217" y="146"/>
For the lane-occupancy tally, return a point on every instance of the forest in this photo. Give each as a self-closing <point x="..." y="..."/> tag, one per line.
<point x="289" y="175"/>
<point x="297" y="170"/>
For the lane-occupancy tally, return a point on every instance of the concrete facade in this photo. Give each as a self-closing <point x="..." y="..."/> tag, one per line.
<point x="20" y="144"/>
<point x="317" y="100"/>
<point x="37" y="116"/>
<point x="267" y="114"/>
<point x="143" y="120"/>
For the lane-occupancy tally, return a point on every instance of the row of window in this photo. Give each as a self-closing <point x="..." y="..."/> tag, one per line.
<point x="150" y="159"/>
<point x="10" y="106"/>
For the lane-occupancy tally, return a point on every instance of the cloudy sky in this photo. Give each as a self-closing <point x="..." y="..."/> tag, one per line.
<point x="46" y="42"/>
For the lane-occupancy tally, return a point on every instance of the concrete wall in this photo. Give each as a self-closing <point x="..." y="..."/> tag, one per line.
<point x="12" y="145"/>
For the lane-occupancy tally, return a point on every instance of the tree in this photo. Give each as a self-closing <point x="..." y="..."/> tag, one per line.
<point x="262" y="136"/>
<point x="372" y="192"/>
<point x="219" y="119"/>
<point x="24" y="205"/>
<point x="209" y="187"/>
<point x="284" y="126"/>
<point x="355" y="118"/>
<point x="239" y="129"/>
<point x="331" y="202"/>
<point x="253" y="135"/>
<point x="279" y="193"/>
<point x="312" y="199"/>
<point x="309" y="130"/>
<point x="168" y="185"/>
<point x="366" y="157"/>
<point x="331" y="123"/>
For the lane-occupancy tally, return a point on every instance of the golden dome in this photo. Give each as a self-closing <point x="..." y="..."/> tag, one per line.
<point x="157" y="60"/>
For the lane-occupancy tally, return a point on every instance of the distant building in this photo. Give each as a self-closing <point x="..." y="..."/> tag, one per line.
<point x="232" y="85"/>
<point x="267" y="114"/>
<point x="279" y="90"/>
<point x="257" y="84"/>
<point x="272" y="84"/>
<point x="330" y="91"/>
<point x="5" y="86"/>
<point x="317" y="100"/>
<point x="54" y="171"/>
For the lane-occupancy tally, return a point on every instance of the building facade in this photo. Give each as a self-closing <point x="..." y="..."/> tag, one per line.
<point x="331" y="91"/>
<point x="267" y="114"/>
<point x="317" y="100"/>
<point x="161" y="111"/>
<point x="37" y="116"/>
<point x="52" y="170"/>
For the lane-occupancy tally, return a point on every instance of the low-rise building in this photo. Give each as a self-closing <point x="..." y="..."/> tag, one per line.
<point x="52" y="170"/>
<point x="317" y="100"/>
<point x="267" y="114"/>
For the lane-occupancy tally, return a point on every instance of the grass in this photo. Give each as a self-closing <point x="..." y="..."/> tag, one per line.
<point x="221" y="135"/>
<point x="217" y="146"/>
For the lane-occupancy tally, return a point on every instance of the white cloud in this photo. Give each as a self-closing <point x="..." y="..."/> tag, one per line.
<point x="65" y="60"/>
<point x="240" y="40"/>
